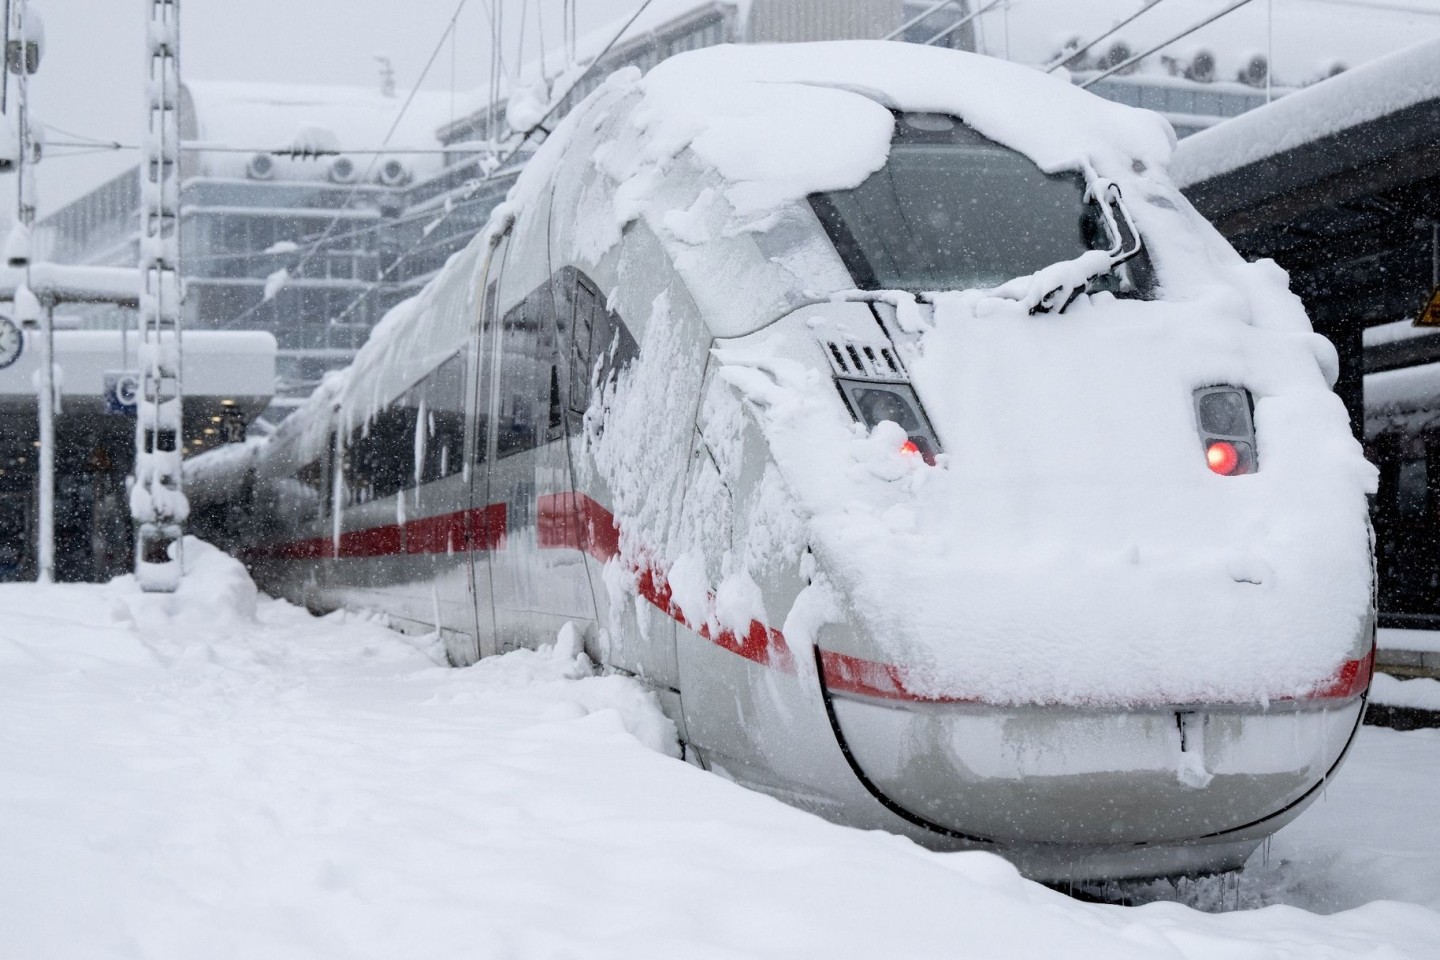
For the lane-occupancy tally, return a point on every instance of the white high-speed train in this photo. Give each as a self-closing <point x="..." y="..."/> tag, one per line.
<point x="889" y="413"/>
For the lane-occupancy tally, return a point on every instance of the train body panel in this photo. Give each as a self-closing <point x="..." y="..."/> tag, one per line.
<point x="691" y="399"/>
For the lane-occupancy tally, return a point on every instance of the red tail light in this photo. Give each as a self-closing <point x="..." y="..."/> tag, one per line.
<point x="1222" y="457"/>
<point x="1227" y="429"/>
<point x="909" y="449"/>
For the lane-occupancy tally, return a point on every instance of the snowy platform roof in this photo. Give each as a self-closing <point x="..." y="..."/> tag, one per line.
<point x="1386" y="108"/>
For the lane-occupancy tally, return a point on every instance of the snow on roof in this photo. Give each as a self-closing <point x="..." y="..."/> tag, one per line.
<point x="275" y="116"/>
<point x="1401" y="80"/>
<point x="1401" y="391"/>
<point x="1395" y="332"/>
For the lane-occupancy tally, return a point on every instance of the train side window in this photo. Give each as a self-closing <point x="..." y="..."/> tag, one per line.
<point x="443" y="396"/>
<point x="384" y="450"/>
<point x="516" y="427"/>
<point x="311" y="481"/>
<point x="483" y="372"/>
<point x="359" y="487"/>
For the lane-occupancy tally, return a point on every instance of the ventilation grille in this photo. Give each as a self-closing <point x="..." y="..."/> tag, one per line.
<point x="866" y="361"/>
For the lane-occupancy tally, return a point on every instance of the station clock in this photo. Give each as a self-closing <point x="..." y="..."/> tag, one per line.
<point x="12" y="342"/>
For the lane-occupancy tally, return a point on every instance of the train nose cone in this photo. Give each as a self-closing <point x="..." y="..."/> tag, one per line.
<point x="1044" y="775"/>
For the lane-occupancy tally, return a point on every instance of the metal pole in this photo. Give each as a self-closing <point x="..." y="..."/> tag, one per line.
<point x="1269" y="47"/>
<point x="26" y="306"/>
<point x="5" y="77"/>
<point x="157" y="500"/>
<point x="46" y="549"/>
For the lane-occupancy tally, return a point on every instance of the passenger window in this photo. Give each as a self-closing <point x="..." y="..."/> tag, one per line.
<point x="482" y="377"/>
<point x="443" y="398"/>
<point x="520" y="366"/>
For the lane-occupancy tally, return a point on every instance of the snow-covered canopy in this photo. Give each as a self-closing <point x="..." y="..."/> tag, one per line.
<point x="1306" y="39"/>
<point x="1377" y="89"/>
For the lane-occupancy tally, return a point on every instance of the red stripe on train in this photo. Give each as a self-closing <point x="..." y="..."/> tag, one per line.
<point x="574" y="521"/>
<point x="482" y="528"/>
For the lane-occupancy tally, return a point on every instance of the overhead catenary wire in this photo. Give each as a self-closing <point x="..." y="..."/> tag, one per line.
<point x="195" y="146"/>
<point x="1065" y="58"/>
<point x="1162" y="45"/>
<point x="524" y="138"/>
<point x="967" y="19"/>
<point x="395" y="125"/>
<point x="933" y="8"/>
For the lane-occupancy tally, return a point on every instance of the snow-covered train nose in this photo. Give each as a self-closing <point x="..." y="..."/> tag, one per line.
<point x="1092" y="778"/>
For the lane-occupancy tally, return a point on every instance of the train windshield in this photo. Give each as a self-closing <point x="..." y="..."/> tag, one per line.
<point x="953" y="210"/>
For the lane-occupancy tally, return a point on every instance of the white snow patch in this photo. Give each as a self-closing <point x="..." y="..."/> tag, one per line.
<point x="1420" y="693"/>
<point x="1394" y="638"/>
<point x="275" y="282"/>
<point x="297" y="787"/>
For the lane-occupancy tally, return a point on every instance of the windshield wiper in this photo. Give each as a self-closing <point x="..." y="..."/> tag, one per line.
<point x="1063" y="282"/>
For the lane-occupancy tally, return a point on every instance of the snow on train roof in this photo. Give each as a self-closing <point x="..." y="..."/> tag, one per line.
<point x="782" y="121"/>
<point x="717" y="148"/>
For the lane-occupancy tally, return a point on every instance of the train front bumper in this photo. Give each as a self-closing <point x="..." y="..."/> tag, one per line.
<point x="1163" y="790"/>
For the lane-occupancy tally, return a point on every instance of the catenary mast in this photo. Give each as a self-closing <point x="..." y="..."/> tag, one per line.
<point x="157" y="500"/>
<point x="23" y="48"/>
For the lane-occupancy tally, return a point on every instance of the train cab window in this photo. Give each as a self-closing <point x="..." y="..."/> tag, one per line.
<point x="954" y="210"/>
<point x="585" y="300"/>
<point x="601" y="346"/>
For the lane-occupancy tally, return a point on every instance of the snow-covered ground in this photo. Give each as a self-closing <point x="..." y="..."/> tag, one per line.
<point x="212" y="774"/>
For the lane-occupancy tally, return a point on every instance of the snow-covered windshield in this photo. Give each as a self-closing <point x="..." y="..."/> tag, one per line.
<point x="953" y="210"/>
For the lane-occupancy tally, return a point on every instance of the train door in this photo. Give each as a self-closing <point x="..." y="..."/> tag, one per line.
<point x="485" y="521"/>
<point x="518" y="434"/>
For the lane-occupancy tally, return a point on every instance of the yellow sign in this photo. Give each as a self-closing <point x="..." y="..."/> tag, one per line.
<point x="1430" y="316"/>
